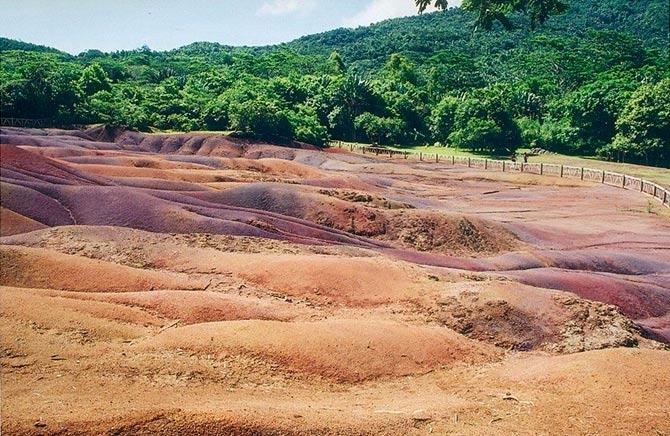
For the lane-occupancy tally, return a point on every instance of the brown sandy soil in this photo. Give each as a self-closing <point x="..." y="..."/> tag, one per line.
<point x="198" y="284"/>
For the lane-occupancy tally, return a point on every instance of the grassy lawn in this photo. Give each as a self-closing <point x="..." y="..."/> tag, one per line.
<point x="654" y="174"/>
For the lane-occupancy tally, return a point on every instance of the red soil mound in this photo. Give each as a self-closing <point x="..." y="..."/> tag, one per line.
<point x="344" y="350"/>
<point x="657" y="328"/>
<point x="39" y="268"/>
<point x="193" y="307"/>
<point x="362" y="215"/>
<point x="12" y="223"/>
<point x="348" y="281"/>
<point x="82" y="321"/>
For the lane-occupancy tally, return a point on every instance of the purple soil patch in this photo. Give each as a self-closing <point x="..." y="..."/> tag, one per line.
<point x="211" y="204"/>
<point x="345" y="182"/>
<point x="21" y="131"/>
<point x="55" y="141"/>
<point x="636" y="299"/>
<point x="205" y="145"/>
<point x="294" y="230"/>
<point x="613" y="261"/>
<point x="434" y="259"/>
<point x="125" y="207"/>
<point x="34" y="205"/>
<point x="59" y="152"/>
<point x="262" y="196"/>
<point x="163" y="212"/>
<point x="41" y="168"/>
<point x="638" y="262"/>
<point x="548" y="237"/>
<point x="656" y="328"/>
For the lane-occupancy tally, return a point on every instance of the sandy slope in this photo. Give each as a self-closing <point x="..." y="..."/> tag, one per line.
<point x="198" y="284"/>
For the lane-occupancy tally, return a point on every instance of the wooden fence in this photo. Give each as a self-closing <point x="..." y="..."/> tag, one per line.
<point x="44" y="123"/>
<point x="547" y="169"/>
<point x="24" y="122"/>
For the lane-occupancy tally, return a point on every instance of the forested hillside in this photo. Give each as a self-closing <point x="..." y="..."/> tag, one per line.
<point x="420" y="37"/>
<point x="595" y="80"/>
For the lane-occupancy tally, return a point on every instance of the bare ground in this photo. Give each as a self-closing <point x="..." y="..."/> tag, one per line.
<point x="198" y="284"/>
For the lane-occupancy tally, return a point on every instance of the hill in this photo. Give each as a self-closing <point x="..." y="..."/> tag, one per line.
<point x="579" y="84"/>
<point x="422" y="36"/>
<point x="7" y="44"/>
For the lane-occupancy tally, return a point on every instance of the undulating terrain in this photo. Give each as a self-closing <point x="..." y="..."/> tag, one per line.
<point x="197" y="283"/>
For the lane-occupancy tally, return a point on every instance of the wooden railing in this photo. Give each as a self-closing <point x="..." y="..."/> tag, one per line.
<point x="34" y="123"/>
<point x="24" y="122"/>
<point x="610" y="178"/>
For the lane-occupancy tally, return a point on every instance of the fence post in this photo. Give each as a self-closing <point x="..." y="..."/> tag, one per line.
<point x="437" y="158"/>
<point x="655" y="186"/>
<point x="421" y="157"/>
<point x="486" y="164"/>
<point x="641" y="185"/>
<point x="623" y="182"/>
<point x="453" y="160"/>
<point x="522" y="167"/>
<point x="582" y="173"/>
<point x="469" y="162"/>
<point x="503" y="166"/>
<point x="541" y="168"/>
<point x="603" y="178"/>
<point x="561" y="170"/>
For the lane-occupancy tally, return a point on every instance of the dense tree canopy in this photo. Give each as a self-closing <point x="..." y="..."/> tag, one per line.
<point x="644" y="125"/>
<point x="591" y="81"/>
<point x="490" y="11"/>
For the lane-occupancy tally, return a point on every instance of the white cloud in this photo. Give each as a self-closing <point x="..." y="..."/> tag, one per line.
<point x="283" y="7"/>
<point x="378" y="10"/>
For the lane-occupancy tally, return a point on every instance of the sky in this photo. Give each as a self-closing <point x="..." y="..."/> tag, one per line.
<point x="77" y="25"/>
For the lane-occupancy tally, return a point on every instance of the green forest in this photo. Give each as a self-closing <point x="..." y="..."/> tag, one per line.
<point x="592" y="81"/>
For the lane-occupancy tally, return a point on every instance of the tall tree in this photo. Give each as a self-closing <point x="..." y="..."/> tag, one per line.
<point x="490" y="11"/>
<point x="643" y="129"/>
<point x="336" y="63"/>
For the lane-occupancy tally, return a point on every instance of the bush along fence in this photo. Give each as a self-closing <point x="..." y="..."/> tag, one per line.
<point x="547" y="169"/>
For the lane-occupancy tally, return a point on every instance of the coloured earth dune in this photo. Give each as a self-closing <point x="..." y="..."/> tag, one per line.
<point x="199" y="283"/>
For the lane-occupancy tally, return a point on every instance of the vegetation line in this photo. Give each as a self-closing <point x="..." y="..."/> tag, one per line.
<point x="593" y="81"/>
